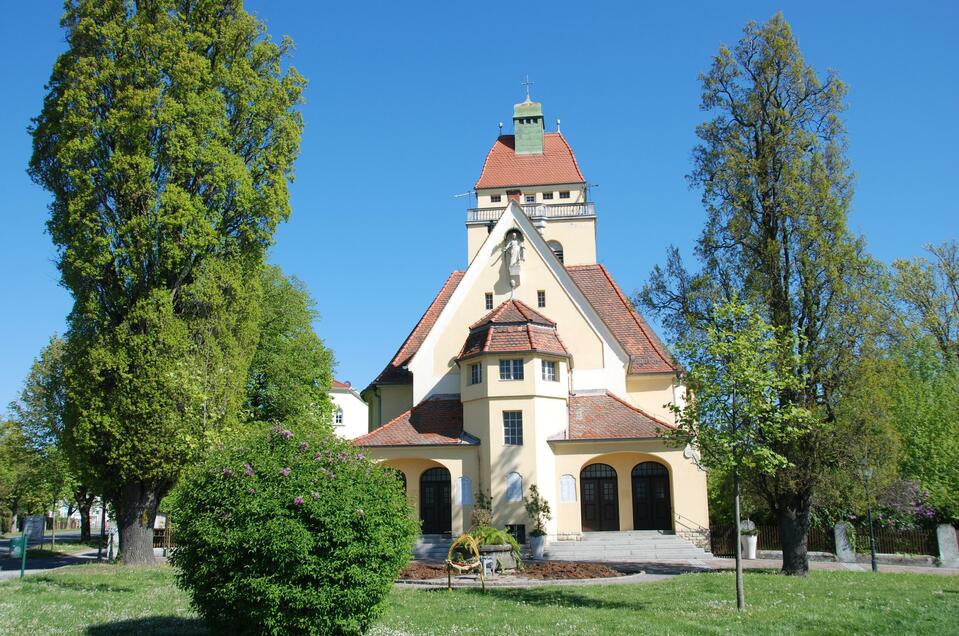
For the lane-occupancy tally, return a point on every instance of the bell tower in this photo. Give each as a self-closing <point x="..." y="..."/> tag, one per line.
<point x="528" y="127"/>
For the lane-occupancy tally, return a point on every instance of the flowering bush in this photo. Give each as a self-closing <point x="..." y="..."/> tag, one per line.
<point x="905" y="504"/>
<point x="290" y="533"/>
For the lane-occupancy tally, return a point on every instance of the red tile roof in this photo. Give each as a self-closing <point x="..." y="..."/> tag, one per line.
<point x="599" y="416"/>
<point x="647" y="354"/>
<point x="435" y="421"/>
<point x="512" y="327"/>
<point x="394" y="373"/>
<point x="340" y="385"/>
<point x="505" y="168"/>
<point x="513" y="311"/>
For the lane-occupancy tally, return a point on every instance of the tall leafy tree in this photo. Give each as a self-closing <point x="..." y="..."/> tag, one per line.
<point x="927" y="291"/>
<point x="167" y="138"/>
<point x="734" y="415"/>
<point x="291" y="371"/>
<point x="39" y="413"/>
<point x="776" y="186"/>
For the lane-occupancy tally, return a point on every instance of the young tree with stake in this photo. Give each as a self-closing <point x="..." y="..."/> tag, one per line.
<point x="734" y="415"/>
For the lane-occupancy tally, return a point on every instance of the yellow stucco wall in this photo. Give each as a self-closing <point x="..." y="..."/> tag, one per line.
<point x="387" y="401"/>
<point x="578" y="335"/>
<point x="413" y="461"/>
<point x="652" y="393"/>
<point x="576" y="235"/>
<point x="577" y="194"/>
<point x="687" y="482"/>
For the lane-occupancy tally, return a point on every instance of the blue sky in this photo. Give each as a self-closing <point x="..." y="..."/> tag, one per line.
<point x="404" y="102"/>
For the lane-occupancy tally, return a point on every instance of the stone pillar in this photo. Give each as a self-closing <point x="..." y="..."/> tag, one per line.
<point x="948" y="549"/>
<point x="845" y="550"/>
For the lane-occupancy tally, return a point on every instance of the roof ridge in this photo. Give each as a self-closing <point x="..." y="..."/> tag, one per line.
<point x="396" y="361"/>
<point x="640" y="322"/>
<point x="639" y="410"/>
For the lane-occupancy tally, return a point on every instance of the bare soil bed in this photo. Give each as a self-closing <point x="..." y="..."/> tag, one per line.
<point x="535" y="570"/>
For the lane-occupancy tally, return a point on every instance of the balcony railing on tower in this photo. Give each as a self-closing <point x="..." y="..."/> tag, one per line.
<point x="534" y="210"/>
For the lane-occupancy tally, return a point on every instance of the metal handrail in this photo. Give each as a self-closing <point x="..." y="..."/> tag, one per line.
<point x="534" y="210"/>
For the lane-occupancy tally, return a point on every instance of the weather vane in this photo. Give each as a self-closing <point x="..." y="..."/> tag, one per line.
<point x="527" y="84"/>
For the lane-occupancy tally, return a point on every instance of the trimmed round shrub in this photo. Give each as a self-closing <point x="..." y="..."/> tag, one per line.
<point x="290" y="533"/>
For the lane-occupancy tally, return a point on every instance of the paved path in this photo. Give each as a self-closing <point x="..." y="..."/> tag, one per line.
<point x="10" y="568"/>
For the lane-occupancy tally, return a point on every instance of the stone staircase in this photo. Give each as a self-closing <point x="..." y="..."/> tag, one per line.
<point x="432" y="547"/>
<point x="626" y="547"/>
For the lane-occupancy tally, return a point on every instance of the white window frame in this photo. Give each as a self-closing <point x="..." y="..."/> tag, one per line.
<point x="529" y="198"/>
<point x="552" y="375"/>
<point x="488" y="301"/>
<point x="547" y="196"/>
<point x="476" y="373"/>
<point x="495" y="198"/>
<point x="338" y="416"/>
<point x="541" y="298"/>
<point x="515" y="369"/>
<point x="511" y="420"/>
<point x="565" y="194"/>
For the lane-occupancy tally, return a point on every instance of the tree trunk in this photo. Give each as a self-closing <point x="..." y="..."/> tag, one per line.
<point x="136" y="513"/>
<point x="85" y="534"/>
<point x="794" y="533"/>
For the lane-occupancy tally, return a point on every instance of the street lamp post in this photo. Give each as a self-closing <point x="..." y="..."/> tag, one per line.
<point x="867" y="473"/>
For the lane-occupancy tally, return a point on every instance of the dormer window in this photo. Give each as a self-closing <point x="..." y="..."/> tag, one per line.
<point x="557" y="249"/>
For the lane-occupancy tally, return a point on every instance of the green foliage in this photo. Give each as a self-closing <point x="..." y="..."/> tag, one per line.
<point x="281" y="533"/>
<point x="538" y="510"/>
<point x="482" y="512"/>
<point x="488" y="535"/>
<point x="291" y="371"/>
<point x="39" y="413"/>
<point x="927" y="292"/>
<point x="167" y="137"/>
<point x="777" y="186"/>
<point x="925" y="397"/>
<point x="737" y="372"/>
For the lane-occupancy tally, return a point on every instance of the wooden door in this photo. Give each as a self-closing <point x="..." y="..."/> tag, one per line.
<point x="436" y="510"/>
<point x="600" y="498"/>
<point x="652" y="509"/>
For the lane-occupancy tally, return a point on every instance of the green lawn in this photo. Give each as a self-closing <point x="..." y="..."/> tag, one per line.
<point x="104" y="599"/>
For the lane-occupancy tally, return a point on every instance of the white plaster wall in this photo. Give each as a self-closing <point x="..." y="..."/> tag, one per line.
<point x="355" y="414"/>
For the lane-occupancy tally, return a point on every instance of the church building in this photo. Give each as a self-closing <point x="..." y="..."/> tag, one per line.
<point x="531" y="366"/>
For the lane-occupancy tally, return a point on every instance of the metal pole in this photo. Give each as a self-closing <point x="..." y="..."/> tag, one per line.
<point x="23" y="553"/>
<point x="103" y="528"/>
<point x="872" y="540"/>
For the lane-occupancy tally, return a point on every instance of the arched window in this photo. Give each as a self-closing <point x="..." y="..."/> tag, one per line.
<point x="464" y="495"/>
<point x="567" y="489"/>
<point x="557" y="248"/>
<point x="514" y="487"/>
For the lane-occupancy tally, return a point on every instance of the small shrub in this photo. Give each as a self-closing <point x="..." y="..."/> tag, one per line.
<point x="538" y="510"/>
<point x="488" y="535"/>
<point x="283" y="533"/>
<point x="482" y="513"/>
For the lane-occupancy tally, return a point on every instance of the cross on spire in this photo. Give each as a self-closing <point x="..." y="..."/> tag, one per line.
<point x="527" y="84"/>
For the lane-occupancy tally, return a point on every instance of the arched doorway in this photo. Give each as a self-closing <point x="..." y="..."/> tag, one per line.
<point x="436" y="510"/>
<point x="600" y="498"/>
<point x="651" y="505"/>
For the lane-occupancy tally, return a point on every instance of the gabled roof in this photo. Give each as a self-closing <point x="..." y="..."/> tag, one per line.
<point x="605" y="416"/>
<point x="336" y="384"/>
<point x="505" y="168"/>
<point x="647" y="354"/>
<point x="394" y="373"/>
<point x="513" y="311"/>
<point x="437" y="421"/>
